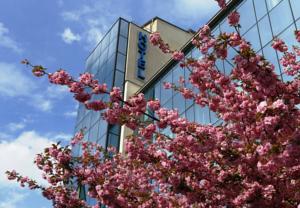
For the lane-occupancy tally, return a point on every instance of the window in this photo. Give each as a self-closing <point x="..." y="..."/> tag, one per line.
<point x="178" y="103"/>
<point x="122" y="45"/>
<point x="253" y="37"/>
<point x="296" y="8"/>
<point x="121" y="62"/>
<point x="265" y="30"/>
<point x="93" y="134"/>
<point x="124" y="28"/>
<point x="260" y="8"/>
<point x="202" y="114"/>
<point x="271" y="56"/>
<point x="281" y="17"/>
<point x="272" y="3"/>
<point x="166" y="94"/>
<point x="247" y="18"/>
<point x="119" y="79"/>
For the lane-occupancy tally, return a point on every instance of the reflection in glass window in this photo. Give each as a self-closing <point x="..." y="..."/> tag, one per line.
<point x="281" y="17"/>
<point x="225" y="27"/>
<point x="177" y="73"/>
<point x="166" y="94"/>
<point x="253" y="37"/>
<point x="196" y="53"/>
<point x="93" y="133"/>
<point x="272" y="3"/>
<point x="113" y="140"/>
<point x="112" y="47"/>
<point x="219" y="65"/>
<point x="247" y="18"/>
<point x="260" y="8"/>
<point x="227" y="67"/>
<point x="190" y="115"/>
<point x="296" y="8"/>
<point x="102" y="128"/>
<point x="157" y="91"/>
<point x="114" y="30"/>
<point x="270" y="55"/>
<point x="102" y="140"/>
<point x="119" y="79"/>
<point x="121" y="62"/>
<point x="265" y="30"/>
<point x="122" y="45"/>
<point x="202" y="114"/>
<point x="124" y="28"/>
<point x="95" y="116"/>
<point x="178" y="103"/>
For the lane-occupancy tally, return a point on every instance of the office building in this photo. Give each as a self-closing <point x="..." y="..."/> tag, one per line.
<point x="124" y="58"/>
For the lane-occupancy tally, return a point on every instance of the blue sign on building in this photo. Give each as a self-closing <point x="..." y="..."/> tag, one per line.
<point x="141" y="62"/>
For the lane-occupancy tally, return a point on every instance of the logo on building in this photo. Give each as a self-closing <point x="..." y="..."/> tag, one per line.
<point x="141" y="62"/>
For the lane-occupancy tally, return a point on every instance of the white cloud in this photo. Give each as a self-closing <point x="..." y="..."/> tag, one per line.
<point x="16" y="126"/>
<point x="95" y="18"/>
<point x="62" y="136"/>
<point x="70" y="114"/>
<point x="69" y="37"/>
<point x="12" y="198"/>
<point x="19" y="154"/>
<point x="41" y="103"/>
<point x="55" y="91"/>
<point x="6" y="41"/>
<point x="14" y="82"/>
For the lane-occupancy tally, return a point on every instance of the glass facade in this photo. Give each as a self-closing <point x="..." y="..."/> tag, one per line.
<point x="107" y="63"/>
<point x="261" y="21"/>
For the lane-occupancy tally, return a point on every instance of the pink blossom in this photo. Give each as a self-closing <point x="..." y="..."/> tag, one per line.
<point x="262" y="107"/>
<point x="154" y="104"/>
<point x="100" y="88"/>
<point x="60" y="77"/>
<point x="221" y="3"/>
<point x="86" y="78"/>
<point x="234" y="18"/>
<point x="178" y="55"/>
<point x="279" y="45"/>
<point x="96" y="105"/>
<point x="82" y="97"/>
<point x="167" y="85"/>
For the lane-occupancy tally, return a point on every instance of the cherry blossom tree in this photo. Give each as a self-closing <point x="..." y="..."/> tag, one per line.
<point x="251" y="159"/>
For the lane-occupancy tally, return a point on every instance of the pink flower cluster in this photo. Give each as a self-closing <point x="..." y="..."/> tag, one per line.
<point x="234" y="18"/>
<point x="279" y="45"/>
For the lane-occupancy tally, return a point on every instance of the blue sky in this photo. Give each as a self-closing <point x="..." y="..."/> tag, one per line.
<point x="58" y="34"/>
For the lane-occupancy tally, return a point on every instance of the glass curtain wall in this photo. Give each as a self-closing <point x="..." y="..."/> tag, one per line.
<point x="107" y="64"/>
<point x="261" y="21"/>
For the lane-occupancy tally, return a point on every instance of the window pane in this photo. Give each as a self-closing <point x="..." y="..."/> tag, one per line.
<point x="112" y="47"/>
<point x="202" y="114"/>
<point x="270" y="55"/>
<point x="122" y="45"/>
<point x="102" y="128"/>
<point x="113" y="140"/>
<point x="265" y="30"/>
<point x="124" y="28"/>
<point x="260" y="8"/>
<point x="93" y="135"/>
<point x="272" y="3"/>
<point x="114" y="129"/>
<point x="228" y="67"/>
<point x="247" y="18"/>
<point x="166" y="93"/>
<point x="157" y="91"/>
<point x="296" y="8"/>
<point x="190" y="115"/>
<point x="281" y="17"/>
<point x="178" y="103"/>
<point x="253" y="37"/>
<point x="177" y="73"/>
<point x="121" y="62"/>
<point x="119" y="79"/>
